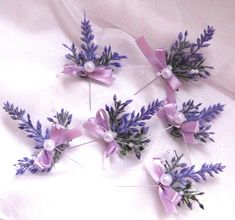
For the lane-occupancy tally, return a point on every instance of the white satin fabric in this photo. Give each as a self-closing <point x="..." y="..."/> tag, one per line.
<point x="32" y="33"/>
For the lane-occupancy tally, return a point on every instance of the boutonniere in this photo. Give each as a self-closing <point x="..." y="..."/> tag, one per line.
<point x="49" y="144"/>
<point x="175" y="180"/>
<point x="184" y="60"/>
<point x="87" y="63"/>
<point x="190" y="122"/>
<point x="122" y="131"/>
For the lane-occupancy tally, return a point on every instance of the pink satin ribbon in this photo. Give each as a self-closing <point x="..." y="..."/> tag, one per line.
<point x="99" y="126"/>
<point x="169" y="197"/>
<point x="157" y="58"/>
<point x="188" y="129"/>
<point x="100" y="74"/>
<point x="58" y="135"/>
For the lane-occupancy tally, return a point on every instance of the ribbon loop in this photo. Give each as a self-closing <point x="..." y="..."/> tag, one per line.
<point x="100" y="126"/>
<point x="100" y="74"/>
<point x="188" y="129"/>
<point x="158" y="60"/>
<point x="58" y="135"/>
<point x="169" y="197"/>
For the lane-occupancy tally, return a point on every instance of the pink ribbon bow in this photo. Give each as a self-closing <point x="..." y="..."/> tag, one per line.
<point x="58" y="135"/>
<point x="157" y="58"/>
<point x="169" y="197"/>
<point x="99" y="126"/>
<point x="101" y="74"/>
<point x="169" y="114"/>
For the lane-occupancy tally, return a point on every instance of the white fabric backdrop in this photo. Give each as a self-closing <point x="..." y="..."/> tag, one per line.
<point x="31" y="57"/>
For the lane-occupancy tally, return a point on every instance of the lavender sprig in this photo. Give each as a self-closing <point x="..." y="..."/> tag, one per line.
<point x="131" y="128"/>
<point x="109" y="58"/>
<point x="208" y="114"/>
<point x="34" y="132"/>
<point x="186" y="60"/>
<point x="88" y="46"/>
<point x="25" y="164"/>
<point x="186" y="173"/>
<point x="205" y="116"/>
<point x="88" y="50"/>
<point x="183" y="176"/>
<point x="62" y="118"/>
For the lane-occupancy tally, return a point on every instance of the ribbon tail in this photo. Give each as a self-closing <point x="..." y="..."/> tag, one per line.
<point x="102" y="75"/>
<point x="149" y="53"/>
<point x="188" y="138"/>
<point x="44" y="159"/>
<point x="111" y="148"/>
<point x="173" y="82"/>
<point x="161" y="55"/>
<point x="162" y="115"/>
<point x="72" y="69"/>
<point x="60" y="135"/>
<point x="154" y="168"/>
<point x="72" y="134"/>
<point x="170" y="94"/>
<point x="169" y="198"/>
<point x="188" y="129"/>
<point x="106" y="161"/>
<point x="102" y="118"/>
<point x="92" y="126"/>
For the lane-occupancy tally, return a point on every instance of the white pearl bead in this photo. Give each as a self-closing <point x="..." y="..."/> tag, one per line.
<point x="181" y="193"/>
<point x="166" y="73"/>
<point x="179" y="118"/>
<point x="109" y="136"/>
<point x="49" y="144"/>
<point x="89" y="66"/>
<point x="166" y="179"/>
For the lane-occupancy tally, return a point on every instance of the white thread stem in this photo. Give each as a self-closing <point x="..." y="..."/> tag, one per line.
<point x="136" y="186"/>
<point x="146" y="85"/>
<point x="89" y="82"/>
<point x="83" y="144"/>
<point x="69" y="157"/>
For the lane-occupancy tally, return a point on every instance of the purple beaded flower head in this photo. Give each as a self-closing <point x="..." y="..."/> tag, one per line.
<point x="121" y="131"/>
<point x="175" y="180"/>
<point x="190" y="122"/>
<point x="50" y="144"/>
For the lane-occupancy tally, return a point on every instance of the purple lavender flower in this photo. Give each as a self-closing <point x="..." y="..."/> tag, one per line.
<point x="88" y="50"/>
<point x="183" y="176"/>
<point x="62" y="118"/>
<point x="131" y="128"/>
<point x="34" y="132"/>
<point x="185" y="58"/>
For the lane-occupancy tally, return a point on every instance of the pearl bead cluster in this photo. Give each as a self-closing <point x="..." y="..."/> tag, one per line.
<point x="193" y="71"/>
